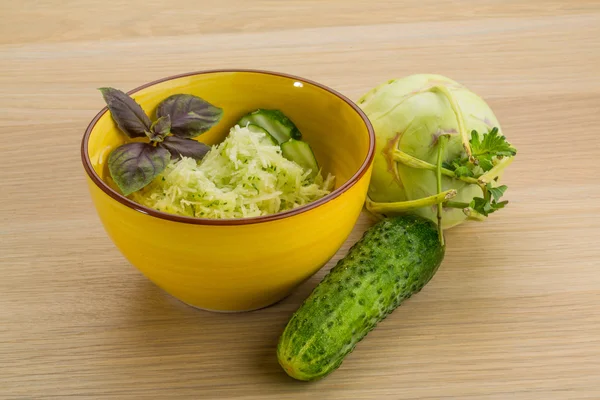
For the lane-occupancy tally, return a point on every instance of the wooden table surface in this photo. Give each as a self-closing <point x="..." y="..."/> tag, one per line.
<point x="514" y="311"/>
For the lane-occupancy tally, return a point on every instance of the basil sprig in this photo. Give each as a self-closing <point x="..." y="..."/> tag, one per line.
<point x="179" y="118"/>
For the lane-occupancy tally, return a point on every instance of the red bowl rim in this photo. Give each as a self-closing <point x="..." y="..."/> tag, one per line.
<point x="236" y="221"/>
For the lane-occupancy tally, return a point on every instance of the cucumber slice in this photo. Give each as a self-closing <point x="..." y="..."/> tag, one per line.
<point x="301" y="153"/>
<point x="273" y="121"/>
<point x="258" y="129"/>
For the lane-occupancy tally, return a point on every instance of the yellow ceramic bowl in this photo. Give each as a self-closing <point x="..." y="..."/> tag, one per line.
<point x="249" y="263"/>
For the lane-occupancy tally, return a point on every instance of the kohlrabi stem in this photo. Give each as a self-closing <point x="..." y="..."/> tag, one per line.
<point x="495" y="171"/>
<point x="456" y="204"/>
<point x="438" y="174"/>
<point x="464" y="135"/>
<point x="474" y="215"/>
<point x="399" y="206"/>
<point x="414" y="162"/>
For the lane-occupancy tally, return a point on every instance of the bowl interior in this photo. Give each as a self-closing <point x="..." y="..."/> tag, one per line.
<point x="336" y="131"/>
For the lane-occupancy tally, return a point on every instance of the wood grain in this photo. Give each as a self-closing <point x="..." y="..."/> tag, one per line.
<point x="513" y="313"/>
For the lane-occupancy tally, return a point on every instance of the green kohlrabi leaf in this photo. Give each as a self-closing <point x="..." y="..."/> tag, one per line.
<point x="160" y="129"/>
<point x="190" y="115"/>
<point x="128" y="114"/>
<point x="134" y="165"/>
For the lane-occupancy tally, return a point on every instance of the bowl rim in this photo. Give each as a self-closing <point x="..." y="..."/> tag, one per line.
<point x="87" y="164"/>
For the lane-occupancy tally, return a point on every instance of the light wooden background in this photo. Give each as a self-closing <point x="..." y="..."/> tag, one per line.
<point x="513" y="313"/>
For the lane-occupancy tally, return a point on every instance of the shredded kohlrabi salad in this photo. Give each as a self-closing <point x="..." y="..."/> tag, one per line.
<point x="246" y="175"/>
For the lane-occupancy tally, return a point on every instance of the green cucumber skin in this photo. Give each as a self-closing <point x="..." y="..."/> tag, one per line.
<point x="301" y="153"/>
<point x="394" y="259"/>
<point x="268" y="137"/>
<point x="276" y="123"/>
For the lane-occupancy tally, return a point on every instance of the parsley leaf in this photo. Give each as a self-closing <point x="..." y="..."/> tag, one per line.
<point x="492" y="144"/>
<point x="485" y="162"/>
<point x="463" y="170"/>
<point x="490" y="201"/>
<point x="487" y="149"/>
<point x="496" y="192"/>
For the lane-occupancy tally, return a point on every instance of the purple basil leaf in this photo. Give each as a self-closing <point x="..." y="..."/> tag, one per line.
<point x="159" y="129"/>
<point x="128" y="114"/>
<point x="134" y="165"/>
<point x="180" y="147"/>
<point x="190" y="115"/>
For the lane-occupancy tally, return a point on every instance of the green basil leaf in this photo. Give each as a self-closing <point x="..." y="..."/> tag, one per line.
<point x="128" y="114"/>
<point x="134" y="165"/>
<point x="160" y="129"/>
<point x="181" y="147"/>
<point x="190" y="115"/>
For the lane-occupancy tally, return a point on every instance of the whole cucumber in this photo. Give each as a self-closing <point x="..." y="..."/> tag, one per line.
<point x="394" y="259"/>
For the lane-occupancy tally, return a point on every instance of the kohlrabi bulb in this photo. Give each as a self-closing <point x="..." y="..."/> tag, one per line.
<point x="409" y="115"/>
